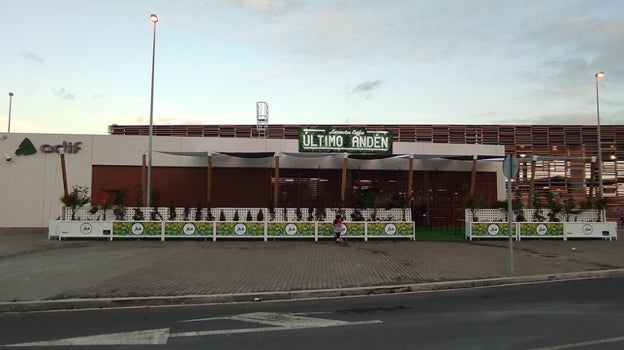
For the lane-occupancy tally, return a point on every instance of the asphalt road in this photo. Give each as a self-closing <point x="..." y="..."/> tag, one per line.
<point x="580" y="314"/>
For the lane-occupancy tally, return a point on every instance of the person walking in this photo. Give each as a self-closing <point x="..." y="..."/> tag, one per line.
<point x="338" y="228"/>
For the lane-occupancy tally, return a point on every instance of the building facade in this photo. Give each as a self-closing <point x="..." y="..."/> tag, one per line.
<point x="248" y="172"/>
<point x="561" y="159"/>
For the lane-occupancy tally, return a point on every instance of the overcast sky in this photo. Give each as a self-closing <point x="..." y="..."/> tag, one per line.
<point x="77" y="66"/>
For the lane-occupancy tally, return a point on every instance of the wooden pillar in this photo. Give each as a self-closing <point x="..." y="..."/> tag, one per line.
<point x="473" y="176"/>
<point x="532" y="183"/>
<point x="64" y="173"/>
<point x="343" y="184"/>
<point x="209" y="180"/>
<point x="144" y="177"/>
<point x="410" y="179"/>
<point x="592" y="177"/>
<point x="277" y="181"/>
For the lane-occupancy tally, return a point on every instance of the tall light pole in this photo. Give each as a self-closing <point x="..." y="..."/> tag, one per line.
<point x="148" y="203"/>
<point x="10" y="103"/>
<point x="600" y="185"/>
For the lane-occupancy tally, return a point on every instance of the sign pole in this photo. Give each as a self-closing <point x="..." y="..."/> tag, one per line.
<point x="509" y="210"/>
<point x="510" y="169"/>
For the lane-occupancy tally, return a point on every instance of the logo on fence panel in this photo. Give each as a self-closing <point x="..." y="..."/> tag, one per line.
<point x="541" y="229"/>
<point x="86" y="228"/>
<point x="493" y="230"/>
<point x="188" y="229"/>
<point x="390" y="229"/>
<point x="291" y="229"/>
<point x="588" y="229"/>
<point x="137" y="228"/>
<point x="240" y="229"/>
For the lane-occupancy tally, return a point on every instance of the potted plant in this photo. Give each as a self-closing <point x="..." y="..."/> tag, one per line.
<point x="356" y="215"/>
<point x="502" y="206"/>
<point x="555" y="207"/>
<point x="76" y="199"/>
<point x="138" y="214"/>
<point x="600" y="205"/>
<point x="373" y="201"/>
<point x="398" y="201"/>
<point x="93" y="210"/>
<point x="209" y="216"/>
<point x="271" y="208"/>
<point x="568" y="207"/>
<point x="471" y="202"/>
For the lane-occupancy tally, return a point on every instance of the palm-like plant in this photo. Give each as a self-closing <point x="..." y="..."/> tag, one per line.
<point x="76" y="199"/>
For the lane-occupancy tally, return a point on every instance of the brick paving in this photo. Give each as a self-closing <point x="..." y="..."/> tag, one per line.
<point x="34" y="268"/>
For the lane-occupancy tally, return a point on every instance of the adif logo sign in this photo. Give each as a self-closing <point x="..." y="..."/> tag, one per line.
<point x="26" y="147"/>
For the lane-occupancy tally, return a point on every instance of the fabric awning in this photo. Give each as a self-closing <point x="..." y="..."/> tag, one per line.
<point x="357" y="156"/>
<point x="249" y="154"/>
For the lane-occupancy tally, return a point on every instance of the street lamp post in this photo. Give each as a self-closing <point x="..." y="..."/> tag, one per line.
<point x="148" y="203"/>
<point x="10" y="103"/>
<point x="597" y="76"/>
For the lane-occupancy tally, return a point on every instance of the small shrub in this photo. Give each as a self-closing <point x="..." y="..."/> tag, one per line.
<point x="119" y="212"/>
<point x="138" y="215"/>
<point x="76" y="199"/>
<point x="357" y="215"/>
<point x="172" y="211"/>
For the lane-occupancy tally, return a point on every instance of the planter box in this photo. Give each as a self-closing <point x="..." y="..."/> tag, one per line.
<point x="541" y="230"/>
<point x="556" y="230"/>
<point x="227" y="229"/>
<point x="604" y="230"/>
<point x="491" y="230"/>
<point x="79" y="229"/>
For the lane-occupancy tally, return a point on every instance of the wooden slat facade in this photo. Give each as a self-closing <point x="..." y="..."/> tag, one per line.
<point x="574" y="145"/>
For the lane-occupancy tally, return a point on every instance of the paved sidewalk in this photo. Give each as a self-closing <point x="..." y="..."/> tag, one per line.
<point x="38" y="273"/>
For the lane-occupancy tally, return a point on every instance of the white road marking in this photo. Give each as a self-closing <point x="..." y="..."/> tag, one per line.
<point x="275" y="322"/>
<point x="233" y="317"/>
<point x="279" y="322"/>
<point x="288" y="320"/>
<point x="581" y="344"/>
<point x="146" y="337"/>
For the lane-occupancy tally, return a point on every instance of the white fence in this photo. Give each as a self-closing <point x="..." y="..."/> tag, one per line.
<point x="192" y="214"/>
<point x="535" y="215"/>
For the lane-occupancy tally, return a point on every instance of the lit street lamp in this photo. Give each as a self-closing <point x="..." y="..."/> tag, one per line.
<point x="600" y="185"/>
<point x="148" y="203"/>
<point x="10" y="103"/>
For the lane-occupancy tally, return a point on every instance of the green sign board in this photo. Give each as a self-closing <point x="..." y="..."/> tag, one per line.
<point x="345" y="140"/>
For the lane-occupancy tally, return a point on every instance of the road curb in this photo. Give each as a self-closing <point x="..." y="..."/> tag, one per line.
<point x="91" y="303"/>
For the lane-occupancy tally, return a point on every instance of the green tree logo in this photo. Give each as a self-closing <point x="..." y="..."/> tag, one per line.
<point x="25" y="148"/>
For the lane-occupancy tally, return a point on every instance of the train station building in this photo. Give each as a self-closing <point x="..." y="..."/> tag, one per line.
<point x="422" y="167"/>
